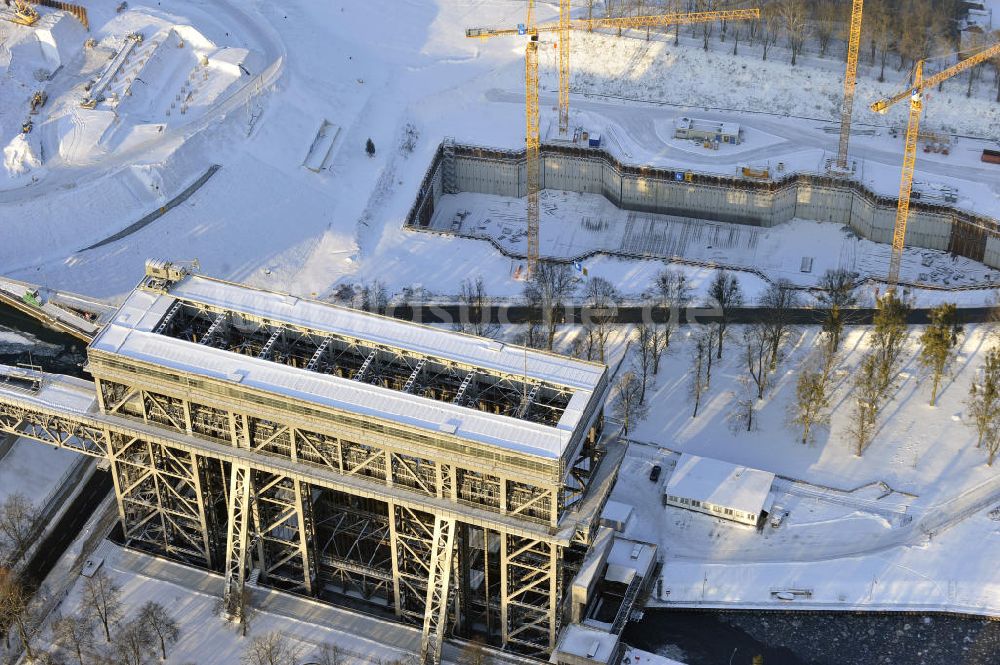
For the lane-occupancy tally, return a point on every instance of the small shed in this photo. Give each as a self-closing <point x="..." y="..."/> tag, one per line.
<point x="583" y="645"/>
<point x="616" y="515"/>
<point x="719" y="488"/>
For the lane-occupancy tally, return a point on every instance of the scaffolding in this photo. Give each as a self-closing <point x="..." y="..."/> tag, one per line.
<point x="443" y="530"/>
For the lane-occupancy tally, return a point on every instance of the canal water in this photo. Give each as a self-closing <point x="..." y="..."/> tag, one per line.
<point x="25" y="340"/>
<point x="826" y="638"/>
<point x="693" y="637"/>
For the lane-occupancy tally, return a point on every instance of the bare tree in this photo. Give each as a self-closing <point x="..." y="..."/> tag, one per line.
<point x="645" y="349"/>
<point x="601" y="300"/>
<point x="373" y="297"/>
<point x="992" y="442"/>
<point x="829" y="16"/>
<point x="794" y="14"/>
<point x="238" y="606"/>
<point x="880" y="21"/>
<point x="75" y="633"/>
<point x="741" y="418"/>
<point x="101" y="598"/>
<point x="867" y="404"/>
<point x="770" y="27"/>
<point x="724" y="292"/>
<point x="995" y="63"/>
<point x="673" y="295"/>
<point x="549" y="286"/>
<point x="984" y="396"/>
<point x="777" y="304"/>
<point x="627" y="405"/>
<point x="756" y="347"/>
<point x="16" y="611"/>
<point x="475" y="308"/>
<point x="699" y="353"/>
<point x="270" y="649"/>
<point x="17" y="521"/>
<point x="474" y="653"/>
<point x="888" y="338"/>
<point x="161" y="624"/>
<point x="938" y="344"/>
<point x="836" y="295"/>
<point x="811" y="408"/>
<point x="331" y="654"/>
<point x="133" y="642"/>
<point x="708" y="26"/>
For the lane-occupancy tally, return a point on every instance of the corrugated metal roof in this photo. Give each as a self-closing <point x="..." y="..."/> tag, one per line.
<point x="131" y="333"/>
<point x="322" y="317"/>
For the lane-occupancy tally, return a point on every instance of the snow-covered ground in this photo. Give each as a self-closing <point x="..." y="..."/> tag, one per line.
<point x="889" y="529"/>
<point x="192" y="596"/>
<point x="372" y="67"/>
<point x="573" y="225"/>
<point x="266" y="219"/>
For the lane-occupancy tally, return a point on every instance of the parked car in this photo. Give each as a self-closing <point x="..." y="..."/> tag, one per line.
<point x="654" y="473"/>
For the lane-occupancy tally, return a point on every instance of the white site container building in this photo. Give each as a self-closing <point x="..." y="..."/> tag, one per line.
<point x="719" y="488"/>
<point x="707" y="130"/>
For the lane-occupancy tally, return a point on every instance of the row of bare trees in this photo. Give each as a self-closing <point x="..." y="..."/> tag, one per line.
<point x="894" y="32"/>
<point x="74" y="637"/>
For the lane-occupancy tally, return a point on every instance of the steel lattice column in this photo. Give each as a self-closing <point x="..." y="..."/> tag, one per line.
<point x="529" y="571"/>
<point x="438" y="591"/>
<point x="160" y="498"/>
<point x="237" y="539"/>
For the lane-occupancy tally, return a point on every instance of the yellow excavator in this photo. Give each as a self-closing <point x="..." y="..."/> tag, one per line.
<point x="24" y="14"/>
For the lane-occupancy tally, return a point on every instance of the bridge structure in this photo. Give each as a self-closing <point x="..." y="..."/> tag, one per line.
<point x="452" y="480"/>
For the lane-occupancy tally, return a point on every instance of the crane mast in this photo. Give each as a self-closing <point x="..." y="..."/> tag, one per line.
<point x="563" y="26"/>
<point x="915" y="93"/>
<point x="564" y="29"/>
<point x="850" y="80"/>
<point x="532" y="145"/>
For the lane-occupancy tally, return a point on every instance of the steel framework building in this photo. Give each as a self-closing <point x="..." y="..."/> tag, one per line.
<point x="457" y="481"/>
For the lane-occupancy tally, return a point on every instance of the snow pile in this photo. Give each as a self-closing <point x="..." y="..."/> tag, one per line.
<point x="46" y="46"/>
<point x="19" y="156"/>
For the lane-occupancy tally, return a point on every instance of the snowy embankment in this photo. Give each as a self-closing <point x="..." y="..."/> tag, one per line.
<point x="685" y="75"/>
<point x="34" y="470"/>
<point x="846" y="544"/>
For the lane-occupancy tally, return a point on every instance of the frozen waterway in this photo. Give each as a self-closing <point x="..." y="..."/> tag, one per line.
<point x="789" y="638"/>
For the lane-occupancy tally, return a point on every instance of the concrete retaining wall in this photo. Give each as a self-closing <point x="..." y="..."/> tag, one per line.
<point x="709" y="197"/>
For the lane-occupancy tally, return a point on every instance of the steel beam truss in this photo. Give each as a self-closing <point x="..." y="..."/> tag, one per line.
<point x="391" y="368"/>
<point x="302" y="509"/>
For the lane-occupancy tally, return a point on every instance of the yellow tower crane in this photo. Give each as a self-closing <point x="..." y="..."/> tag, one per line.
<point x="915" y="93"/>
<point x="562" y="27"/>
<point x="23" y="13"/>
<point x="850" y="80"/>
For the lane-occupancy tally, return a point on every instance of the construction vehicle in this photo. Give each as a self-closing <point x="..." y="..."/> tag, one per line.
<point x="31" y="297"/>
<point x="23" y="14"/>
<point x="915" y="93"/>
<point x="756" y="173"/>
<point x="27" y="126"/>
<point x="850" y="80"/>
<point x="563" y="27"/>
<point x="38" y="101"/>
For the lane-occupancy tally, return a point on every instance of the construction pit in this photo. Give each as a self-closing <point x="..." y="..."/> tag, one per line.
<point x="132" y="85"/>
<point x="591" y="203"/>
